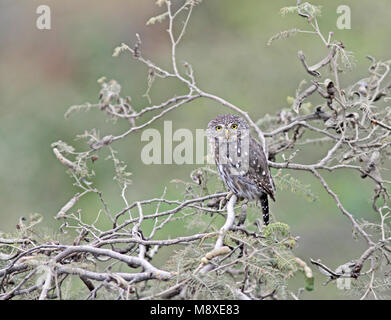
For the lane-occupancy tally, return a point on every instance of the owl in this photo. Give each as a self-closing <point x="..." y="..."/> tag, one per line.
<point x="241" y="161"/>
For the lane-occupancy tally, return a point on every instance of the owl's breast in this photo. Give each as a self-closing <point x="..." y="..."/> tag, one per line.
<point x="238" y="182"/>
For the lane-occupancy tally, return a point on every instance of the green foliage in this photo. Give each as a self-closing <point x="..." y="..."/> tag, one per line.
<point x="305" y="9"/>
<point x="282" y="35"/>
<point x="121" y="174"/>
<point x="158" y="18"/>
<point x="309" y="283"/>
<point x="276" y="228"/>
<point x="267" y="265"/>
<point x="63" y="147"/>
<point x="161" y="17"/>
<point x="285" y="182"/>
<point x="77" y="108"/>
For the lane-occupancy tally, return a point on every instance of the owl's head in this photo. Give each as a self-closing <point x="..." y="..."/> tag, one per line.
<point x="227" y="127"/>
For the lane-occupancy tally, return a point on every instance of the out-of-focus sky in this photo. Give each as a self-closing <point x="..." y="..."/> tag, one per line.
<point x="43" y="72"/>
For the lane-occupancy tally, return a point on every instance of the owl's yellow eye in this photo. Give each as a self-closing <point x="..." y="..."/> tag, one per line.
<point x="218" y="128"/>
<point x="234" y="126"/>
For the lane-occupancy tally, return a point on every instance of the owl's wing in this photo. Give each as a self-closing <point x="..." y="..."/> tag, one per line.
<point x="259" y="169"/>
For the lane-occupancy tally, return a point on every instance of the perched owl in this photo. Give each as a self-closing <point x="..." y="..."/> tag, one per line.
<point x="241" y="161"/>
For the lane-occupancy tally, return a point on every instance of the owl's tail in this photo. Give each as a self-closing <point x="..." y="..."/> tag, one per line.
<point x="265" y="208"/>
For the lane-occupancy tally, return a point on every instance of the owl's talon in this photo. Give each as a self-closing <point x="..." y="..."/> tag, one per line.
<point x="229" y="195"/>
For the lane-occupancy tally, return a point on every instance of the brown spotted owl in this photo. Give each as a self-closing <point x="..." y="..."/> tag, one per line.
<point x="241" y="161"/>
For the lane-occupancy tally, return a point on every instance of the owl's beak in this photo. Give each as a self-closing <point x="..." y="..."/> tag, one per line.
<point x="227" y="134"/>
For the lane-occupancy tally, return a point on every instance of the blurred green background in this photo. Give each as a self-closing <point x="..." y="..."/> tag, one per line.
<point x="43" y="72"/>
